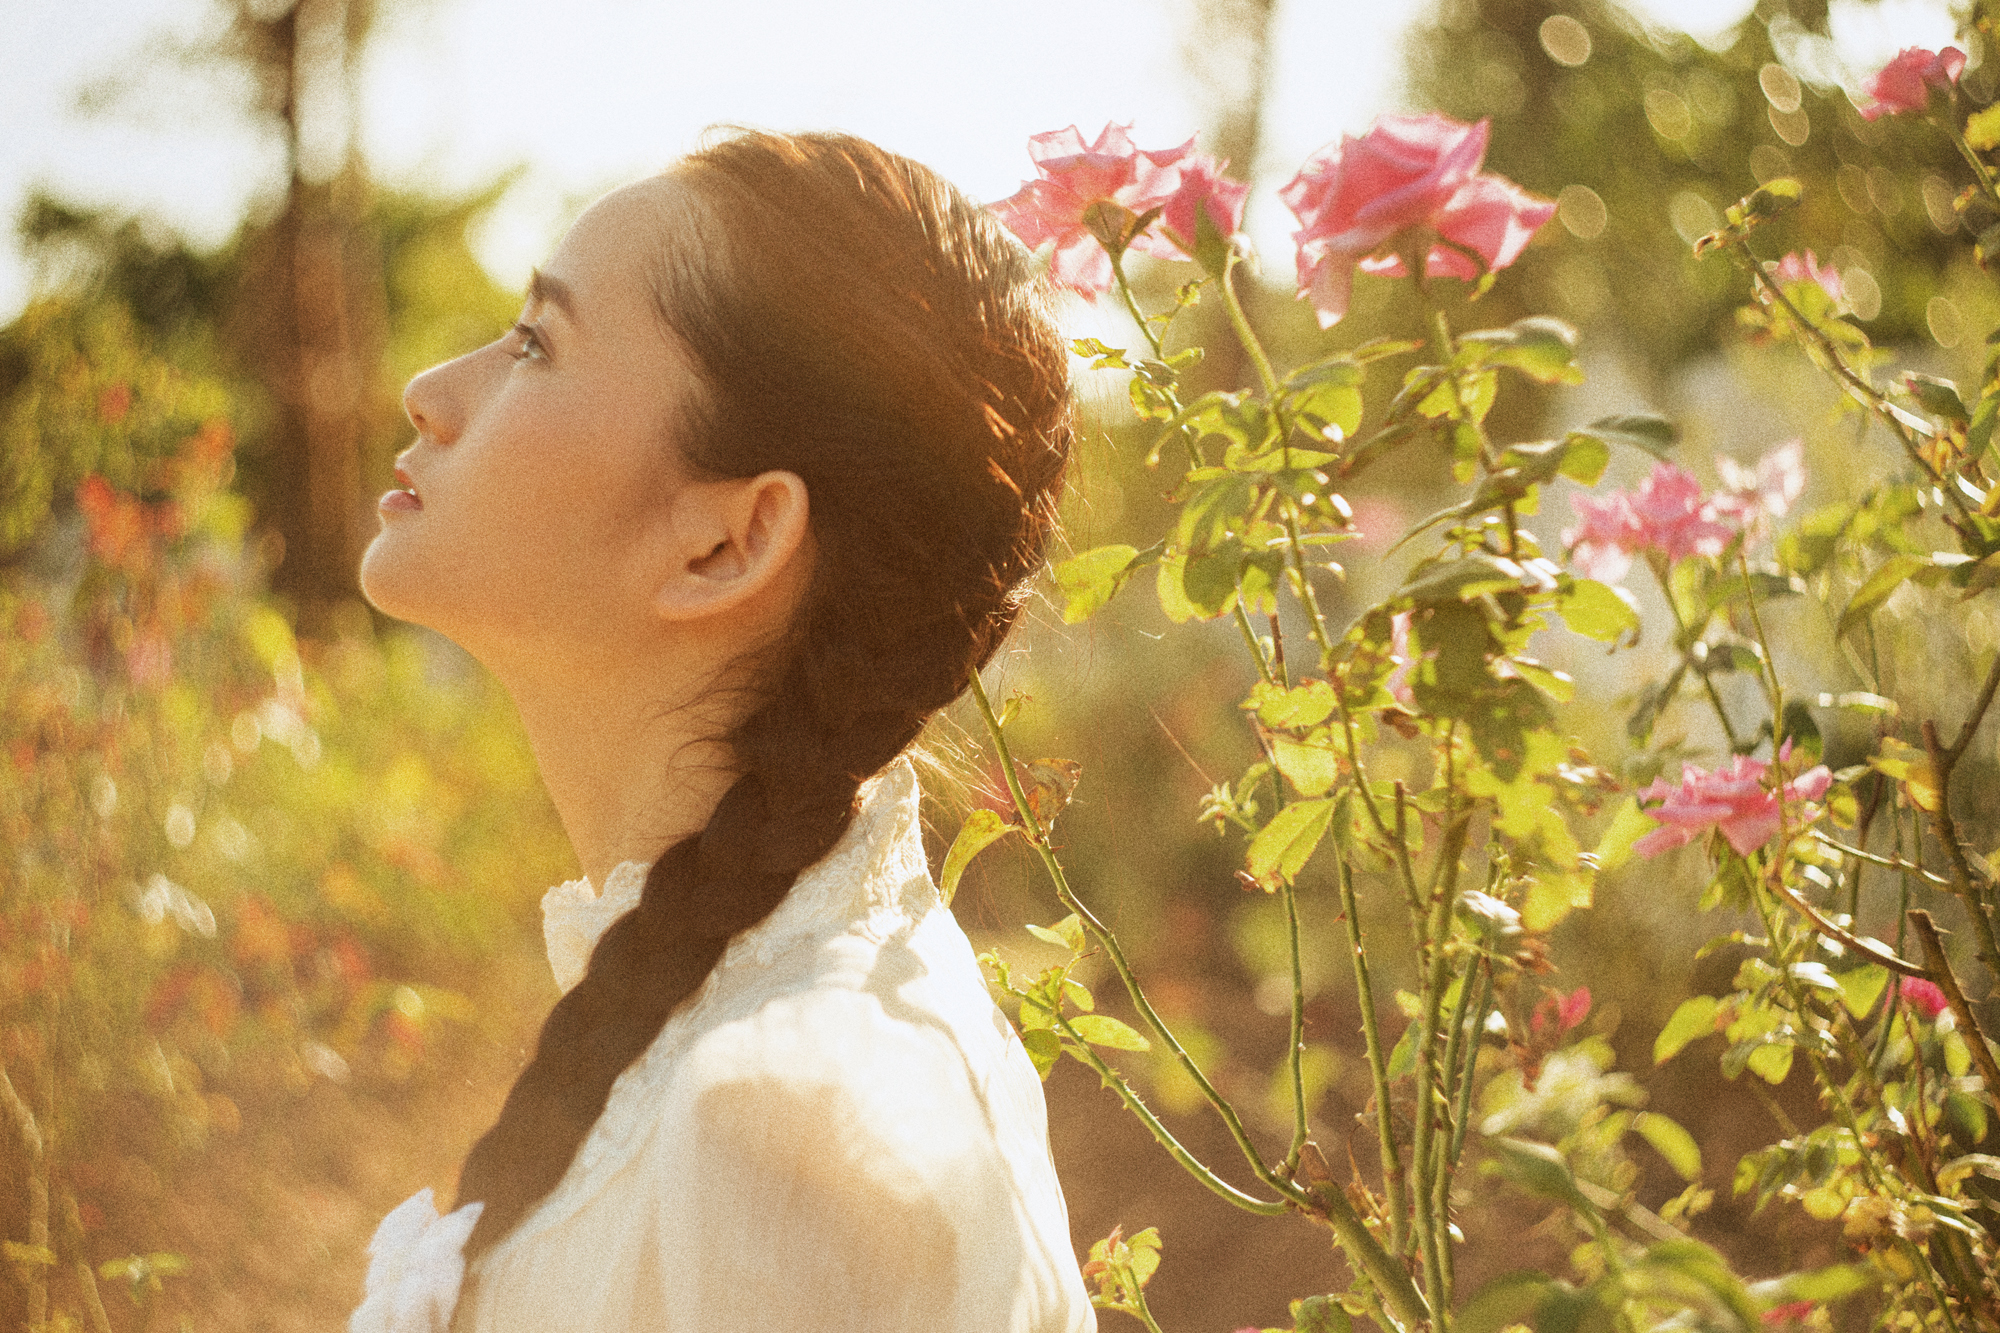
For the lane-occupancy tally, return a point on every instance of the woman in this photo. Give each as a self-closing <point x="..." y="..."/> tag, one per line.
<point x="746" y="496"/>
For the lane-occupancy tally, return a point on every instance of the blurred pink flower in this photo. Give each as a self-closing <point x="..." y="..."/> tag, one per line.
<point x="1923" y="996"/>
<point x="1733" y="799"/>
<point x="1353" y="197"/>
<point x="1751" y="495"/>
<point x="1202" y="187"/>
<point x="1668" y="514"/>
<point x="1805" y="267"/>
<point x="1398" y="683"/>
<point x="1074" y="176"/>
<point x="1905" y="83"/>
<point x="1792" y="1312"/>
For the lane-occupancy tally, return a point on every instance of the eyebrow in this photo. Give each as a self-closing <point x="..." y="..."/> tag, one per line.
<point x="554" y="291"/>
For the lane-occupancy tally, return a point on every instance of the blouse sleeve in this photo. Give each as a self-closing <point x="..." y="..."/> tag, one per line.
<point x="841" y="1175"/>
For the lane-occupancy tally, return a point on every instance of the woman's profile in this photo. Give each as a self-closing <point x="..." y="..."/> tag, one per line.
<point x="746" y="496"/>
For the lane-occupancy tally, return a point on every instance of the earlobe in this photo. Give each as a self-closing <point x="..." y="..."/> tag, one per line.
<point x="734" y="542"/>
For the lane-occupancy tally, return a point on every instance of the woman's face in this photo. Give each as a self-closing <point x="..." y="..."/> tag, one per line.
<point x="544" y="461"/>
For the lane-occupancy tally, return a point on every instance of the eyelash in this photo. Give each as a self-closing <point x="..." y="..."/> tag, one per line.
<point x="530" y="347"/>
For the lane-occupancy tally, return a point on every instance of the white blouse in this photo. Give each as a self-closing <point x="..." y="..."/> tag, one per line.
<point x="837" y="1132"/>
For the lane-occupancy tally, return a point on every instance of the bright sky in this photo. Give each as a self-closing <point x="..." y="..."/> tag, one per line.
<point x="589" y="93"/>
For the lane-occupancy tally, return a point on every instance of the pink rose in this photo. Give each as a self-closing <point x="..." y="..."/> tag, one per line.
<point x="1668" y="514"/>
<point x="1797" y="267"/>
<point x="1354" y="197"/>
<point x="1077" y="180"/>
<point x="1923" y="996"/>
<point x="1398" y="683"/>
<point x="1905" y="83"/>
<point x="1749" y="496"/>
<point x="1733" y="799"/>
<point x="1202" y="189"/>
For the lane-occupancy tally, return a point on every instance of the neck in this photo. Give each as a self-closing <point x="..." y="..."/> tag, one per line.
<point x="631" y="767"/>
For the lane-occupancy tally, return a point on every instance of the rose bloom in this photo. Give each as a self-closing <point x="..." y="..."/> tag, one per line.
<point x="1751" y="495"/>
<point x="1732" y="799"/>
<point x="1668" y="514"/>
<point x="1354" y="197"/>
<point x="1805" y="267"/>
<point x="1905" y="83"/>
<point x="1923" y="996"/>
<point x="1075" y="175"/>
<point x="1202" y="189"/>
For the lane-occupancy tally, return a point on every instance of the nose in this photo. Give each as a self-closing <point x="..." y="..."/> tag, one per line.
<point x="435" y="401"/>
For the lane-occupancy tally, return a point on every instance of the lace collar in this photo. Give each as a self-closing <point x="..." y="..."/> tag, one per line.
<point x="873" y="883"/>
<point x="868" y="871"/>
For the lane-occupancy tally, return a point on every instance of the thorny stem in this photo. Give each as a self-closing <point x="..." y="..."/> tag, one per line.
<point x="1430" y="1083"/>
<point x="35" y="1146"/>
<point x="100" y="1322"/>
<point x="1980" y="171"/>
<point x="1245" y="335"/>
<point x="1886" y="862"/>
<point x="1250" y="642"/>
<point x="1856" y="386"/>
<point x="1112" y="950"/>
<point x="1132" y="306"/>
<point x="1954" y="994"/>
<point x="1685" y="641"/>
<point x="1463" y="1117"/>
<point x="1164" y="1136"/>
<point x="1871" y="1168"/>
<point x="1378" y="1068"/>
<point x="1946" y="829"/>
<point x="1295" y="1057"/>
<point x="1360" y="1246"/>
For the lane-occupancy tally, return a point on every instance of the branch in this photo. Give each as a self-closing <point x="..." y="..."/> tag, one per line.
<point x="1954" y="994"/>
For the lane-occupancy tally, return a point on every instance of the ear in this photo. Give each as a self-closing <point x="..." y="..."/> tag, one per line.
<point x="733" y="542"/>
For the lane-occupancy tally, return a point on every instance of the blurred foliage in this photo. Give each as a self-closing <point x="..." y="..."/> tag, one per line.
<point x="240" y="866"/>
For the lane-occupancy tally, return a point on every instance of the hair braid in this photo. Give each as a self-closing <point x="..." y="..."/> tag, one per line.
<point x="860" y="323"/>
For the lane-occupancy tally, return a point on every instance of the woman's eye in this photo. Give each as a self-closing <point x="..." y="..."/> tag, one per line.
<point x="527" y="344"/>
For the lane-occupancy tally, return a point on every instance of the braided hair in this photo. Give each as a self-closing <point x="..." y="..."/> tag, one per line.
<point x="857" y="321"/>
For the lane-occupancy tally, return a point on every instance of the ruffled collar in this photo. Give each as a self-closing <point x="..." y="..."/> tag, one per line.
<point x="874" y="882"/>
<point x="871" y="862"/>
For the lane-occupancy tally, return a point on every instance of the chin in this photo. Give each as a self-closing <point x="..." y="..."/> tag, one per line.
<point x="385" y="580"/>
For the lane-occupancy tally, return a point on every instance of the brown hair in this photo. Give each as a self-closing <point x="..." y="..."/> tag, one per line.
<point x="859" y="322"/>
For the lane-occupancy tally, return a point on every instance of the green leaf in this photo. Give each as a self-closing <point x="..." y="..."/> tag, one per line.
<point x="1044" y="1049"/>
<point x="1598" y="611"/>
<point x="1306" y="704"/>
<point x="1694" y="1018"/>
<point x="1862" y="987"/>
<point x="1685" y="1271"/>
<point x="1888" y="577"/>
<point x="1145" y="1260"/>
<point x="1584" y="458"/>
<point x="1102" y="1030"/>
<point x="1508" y="1300"/>
<point x="1642" y="431"/>
<point x="1541" y="348"/>
<point x="1312" y="769"/>
<point x="1771" y="1061"/>
<point x="1982" y="129"/>
<point x="1539" y="1169"/>
<point x="1281" y="848"/>
<point x="982" y="828"/>
<point x="1067" y="933"/>
<point x="33" y="1255"/>
<point x="1629" y="825"/>
<point x="1403" y="1058"/>
<point x="1762" y="584"/>
<point x="1671" y="1141"/>
<point x="1320" y="1314"/>
<point x="1824" y="1285"/>
<point x="1090" y="580"/>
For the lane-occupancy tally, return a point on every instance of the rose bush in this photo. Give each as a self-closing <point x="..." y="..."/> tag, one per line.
<point x="1419" y="755"/>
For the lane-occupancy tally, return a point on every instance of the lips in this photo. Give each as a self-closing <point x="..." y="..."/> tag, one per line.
<point x="404" y="498"/>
